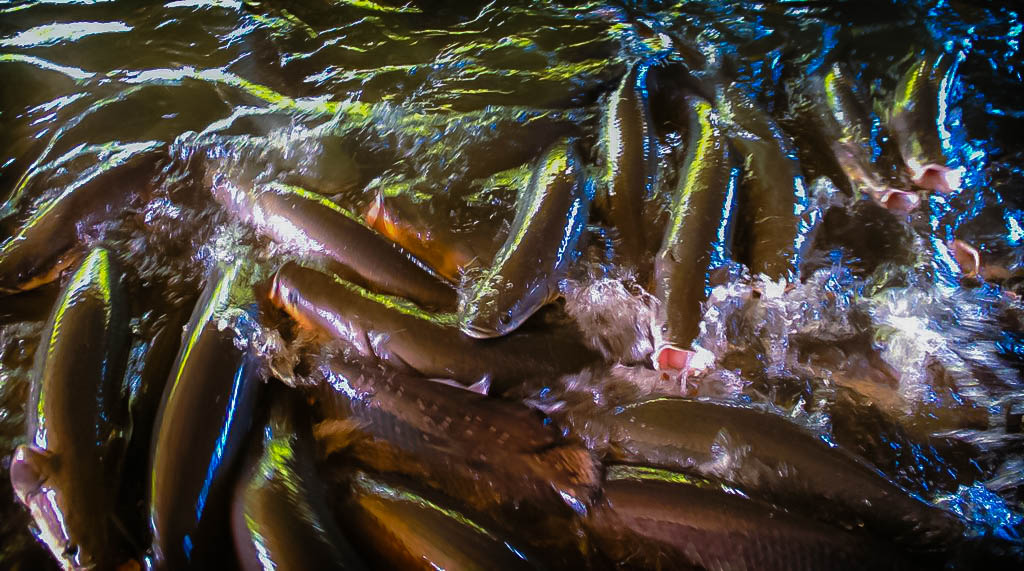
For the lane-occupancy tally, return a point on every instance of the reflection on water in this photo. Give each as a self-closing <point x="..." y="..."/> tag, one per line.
<point x="888" y="347"/>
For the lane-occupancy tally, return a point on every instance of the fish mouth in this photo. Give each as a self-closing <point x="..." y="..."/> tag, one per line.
<point x="672" y="358"/>
<point x="938" y="177"/>
<point x="478" y="331"/>
<point x="896" y="200"/>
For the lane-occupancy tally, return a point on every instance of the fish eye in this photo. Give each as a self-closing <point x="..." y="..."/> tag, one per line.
<point x="504" y="319"/>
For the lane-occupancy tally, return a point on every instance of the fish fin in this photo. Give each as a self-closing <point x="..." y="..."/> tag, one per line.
<point x="30" y="468"/>
<point x="483" y="386"/>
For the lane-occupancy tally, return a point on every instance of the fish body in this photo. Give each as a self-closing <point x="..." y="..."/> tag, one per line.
<point x="47" y="242"/>
<point x="772" y="197"/>
<point x="771" y="456"/>
<point x="201" y="426"/>
<point x="697" y="234"/>
<point x="918" y="121"/>
<point x="279" y="513"/>
<point x="409" y="338"/>
<point x="317" y="226"/>
<point x="68" y="472"/>
<point x="653" y="519"/>
<point x="631" y="162"/>
<point x="550" y="217"/>
<point x="408" y="529"/>
<point x="482" y="449"/>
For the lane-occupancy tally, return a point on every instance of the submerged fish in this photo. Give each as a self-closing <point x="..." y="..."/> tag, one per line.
<point x="631" y="162"/>
<point x="551" y="214"/>
<point x="448" y="231"/>
<point x="407" y="337"/>
<point x="319" y="227"/>
<point x="279" y="517"/>
<point x="486" y="451"/>
<point x="654" y="519"/>
<point x="771" y="456"/>
<point x="772" y="197"/>
<point x="68" y="473"/>
<point x="846" y="125"/>
<point x="204" y="417"/>
<point x="48" y="243"/>
<point x="406" y="529"/>
<point x="695" y="238"/>
<point x="918" y="121"/>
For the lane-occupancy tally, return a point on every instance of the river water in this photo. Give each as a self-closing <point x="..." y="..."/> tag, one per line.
<point x="884" y="347"/>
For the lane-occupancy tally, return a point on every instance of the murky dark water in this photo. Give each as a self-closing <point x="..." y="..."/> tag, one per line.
<point x="885" y="348"/>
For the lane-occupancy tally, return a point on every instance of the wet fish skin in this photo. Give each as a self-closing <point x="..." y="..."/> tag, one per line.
<point x="550" y="218"/>
<point x="775" y="459"/>
<point x="405" y="528"/>
<point x="655" y="519"/>
<point x="772" y="196"/>
<point x="631" y="161"/>
<point x="406" y="337"/>
<point x="313" y="223"/>
<point x="279" y="514"/>
<point x="68" y="472"/>
<point x="917" y="120"/>
<point x="204" y="417"/>
<point x="487" y="451"/>
<point x="697" y="234"/>
<point x="47" y="243"/>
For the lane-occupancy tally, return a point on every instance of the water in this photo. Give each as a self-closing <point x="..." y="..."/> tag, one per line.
<point x="882" y="349"/>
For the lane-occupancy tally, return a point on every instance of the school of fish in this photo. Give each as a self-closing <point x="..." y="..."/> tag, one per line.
<point x="362" y="342"/>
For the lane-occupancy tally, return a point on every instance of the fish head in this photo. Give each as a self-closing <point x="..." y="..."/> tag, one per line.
<point x="489" y="314"/>
<point x="73" y="540"/>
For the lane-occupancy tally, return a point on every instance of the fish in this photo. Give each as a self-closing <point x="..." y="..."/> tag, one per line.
<point x="772" y="198"/>
<point x="201" y="427"/>
<point x="279" y="514"/>
<point x="630" y="163"/>
<point x="656" y="519"/>
<point x="452" y="232"/>
<point x="696" y="237"/>
<point x="315" y="225"/>
<point x="67" y="473"/>
<point x="404" y="528"/>
<point x="917" y="120"/>
<point x="772" y="457"/>
<point x="847" y="127"/>
<point x="481" y="449"/>
<point x="47" y="243"/>
<point x="551" y="214"/>
<point x="410" y="339"/>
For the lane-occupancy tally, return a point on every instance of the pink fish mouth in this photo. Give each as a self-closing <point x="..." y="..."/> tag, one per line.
<point x="967" y="257"/>
<point x="936" y="177"/>
<point x="900" y="201"/>
<point x="671" y="358"/>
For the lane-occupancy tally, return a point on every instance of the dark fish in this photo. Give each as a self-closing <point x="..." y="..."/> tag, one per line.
<point x="551" y="214"/>
<point x="846" y="125"/>
<point x="450" y="233"/>
<point x="483" y="450"/>
<point x="772" y="196"/>
<point x="280" y="517"/>
<point x="653" y="519"/>
<point x="68" y="473"/>
<point x="316" y="225"/>
<point x="48" y="241"/>
<point x="406" y="529"/>
<point x="205" y="415"/>
<point x="918" y="121"/>
<point x="695" y="238"/>
<point x="631" y="162"/>
<point x="771" y="456"/>
<point x="407" y="337"/>
<point x="150" y="365"/>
